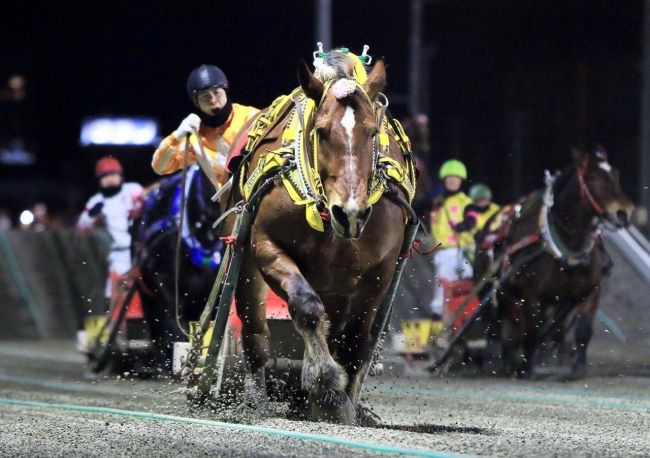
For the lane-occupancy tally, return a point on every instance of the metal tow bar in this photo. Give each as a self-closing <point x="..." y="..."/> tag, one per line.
<point x="220" y="299"/>
<point x="383" y="313"/>
<point x="242" y="232"/>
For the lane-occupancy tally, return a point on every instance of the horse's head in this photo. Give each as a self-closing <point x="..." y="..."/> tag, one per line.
<point x="601" y="188"/>
<point x="345" y="126"/>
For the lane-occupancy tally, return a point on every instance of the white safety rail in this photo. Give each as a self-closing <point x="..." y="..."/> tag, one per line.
<point x="634" y="247"/>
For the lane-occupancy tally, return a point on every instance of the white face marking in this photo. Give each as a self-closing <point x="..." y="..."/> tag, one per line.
<point x="605" y="166"/>
<point x="348" y="122"/>
<point x="351" y="207"/>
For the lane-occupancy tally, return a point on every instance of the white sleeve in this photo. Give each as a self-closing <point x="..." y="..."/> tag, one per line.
<point x="135" y="191"/>
<point x="85" y="220"/>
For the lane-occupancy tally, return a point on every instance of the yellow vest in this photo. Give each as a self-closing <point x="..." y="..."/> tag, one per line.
<point x="483" y="217"/>
<point x="216" y="143"/>
<point x="451" y="211"/>
<point x="218" y="140"/>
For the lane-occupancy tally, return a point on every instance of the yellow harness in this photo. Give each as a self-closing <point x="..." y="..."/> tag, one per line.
<point x="299" y="170"/>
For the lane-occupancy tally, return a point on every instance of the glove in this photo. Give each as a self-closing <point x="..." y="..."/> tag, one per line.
<point x="187" y="126"/>
<point x="96" y="210"/>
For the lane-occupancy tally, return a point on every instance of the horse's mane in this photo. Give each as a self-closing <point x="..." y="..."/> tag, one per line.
<point x="336" y="64"/>
<point x="563" y="178"/>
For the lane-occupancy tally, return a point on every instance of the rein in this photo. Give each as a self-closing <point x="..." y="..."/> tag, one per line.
<point x="179" y="238"/>
<point x="585" y="193"/>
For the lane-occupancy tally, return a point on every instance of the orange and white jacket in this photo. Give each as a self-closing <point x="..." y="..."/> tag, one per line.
<point x="168" y="158"/>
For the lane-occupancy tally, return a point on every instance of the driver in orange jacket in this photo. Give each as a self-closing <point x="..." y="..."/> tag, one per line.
<point x="217" y="123"/>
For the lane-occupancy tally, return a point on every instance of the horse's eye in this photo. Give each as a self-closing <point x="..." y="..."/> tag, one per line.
<point x="370" y="128"/>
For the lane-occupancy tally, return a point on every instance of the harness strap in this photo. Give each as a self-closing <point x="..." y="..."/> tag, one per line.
<point x="232" y="240"/>
<point x="552" y="241"/>
<point x="584" y="192"/>
<point x="417" y="247"/>
<point x="179" y="237"/>
<point x="523" y="243"/>
<point x="297" y="158"/>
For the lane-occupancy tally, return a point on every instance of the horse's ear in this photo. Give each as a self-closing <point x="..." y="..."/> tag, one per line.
<point x="600" y="153"/>
<point x="376" y="81"/>
<point x="312" y="86"/>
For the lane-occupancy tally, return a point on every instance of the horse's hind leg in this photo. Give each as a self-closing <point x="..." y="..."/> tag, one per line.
<point x="250" y="297"/>
<point x="322" y="377"/>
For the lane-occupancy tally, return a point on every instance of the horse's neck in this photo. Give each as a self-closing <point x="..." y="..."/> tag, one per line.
<point x="572" y="219"/>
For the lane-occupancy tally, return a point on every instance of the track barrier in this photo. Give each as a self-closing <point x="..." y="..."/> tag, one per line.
<point x="50" y="281"/>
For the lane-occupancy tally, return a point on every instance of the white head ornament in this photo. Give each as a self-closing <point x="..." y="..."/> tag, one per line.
<point x="343" y="88"/>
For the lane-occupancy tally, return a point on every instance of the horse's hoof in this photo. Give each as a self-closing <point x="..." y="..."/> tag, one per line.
<point x="578" y="372"/>
<point x="349" y="412"/>
<point x="332" y="398"/>
<point x="341" y="411"/>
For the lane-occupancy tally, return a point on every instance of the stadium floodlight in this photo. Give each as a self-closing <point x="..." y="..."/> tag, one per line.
<point x="26" y="217"/>
<point x="119" y="131"/>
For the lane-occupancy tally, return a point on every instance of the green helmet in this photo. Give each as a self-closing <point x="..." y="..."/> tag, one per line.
<point x="453" y="167"/>
<point x="480" y="192"/>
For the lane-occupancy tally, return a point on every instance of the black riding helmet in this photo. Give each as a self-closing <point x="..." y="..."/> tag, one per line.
<point x="205" y="77"/>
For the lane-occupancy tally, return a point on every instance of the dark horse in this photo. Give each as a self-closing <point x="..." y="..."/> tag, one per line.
<point x="200" y="256"/>
<point x="333" y="280"/>
<point x="556" y="262"/>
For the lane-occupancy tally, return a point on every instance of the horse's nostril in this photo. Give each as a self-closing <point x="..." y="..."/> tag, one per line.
<point x="622" y="217"/>
<point x="365" y="214"/>
<point x="339" y="215"/>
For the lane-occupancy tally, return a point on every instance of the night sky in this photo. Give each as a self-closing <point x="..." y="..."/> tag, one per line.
<point x="572" y="68"/>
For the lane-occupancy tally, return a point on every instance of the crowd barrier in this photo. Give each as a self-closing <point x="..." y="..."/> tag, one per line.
<point x="49" y="280"/>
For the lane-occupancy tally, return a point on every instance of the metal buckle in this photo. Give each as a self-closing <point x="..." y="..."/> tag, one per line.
<point x="320" y="53"/>
<point x="365" y="57"/>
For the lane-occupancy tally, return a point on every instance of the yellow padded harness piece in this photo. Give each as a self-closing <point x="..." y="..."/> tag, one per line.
<point x="299" y="170"/>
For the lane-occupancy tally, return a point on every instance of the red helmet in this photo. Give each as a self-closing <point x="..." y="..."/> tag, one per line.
<point x="107" y="165"/>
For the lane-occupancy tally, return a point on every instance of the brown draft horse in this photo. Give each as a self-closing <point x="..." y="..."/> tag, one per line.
<point x="334" y="280"/>
<point x="565" y="279"/>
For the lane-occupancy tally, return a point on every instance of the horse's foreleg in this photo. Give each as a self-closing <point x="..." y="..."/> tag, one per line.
<point x="251" y="296"/>
<point x="349" y="354"/>
<point x="583" y="332"/>
<point x="322" y="377"/>
<point x="354" y="336"/>
<point x="533" y="321"/>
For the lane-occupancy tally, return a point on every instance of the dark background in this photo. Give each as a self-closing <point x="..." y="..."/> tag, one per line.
<point x="512" y="87"/>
